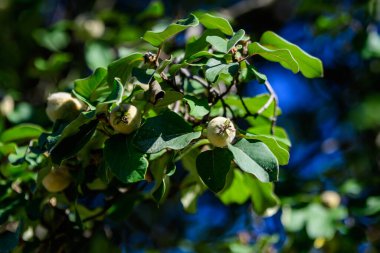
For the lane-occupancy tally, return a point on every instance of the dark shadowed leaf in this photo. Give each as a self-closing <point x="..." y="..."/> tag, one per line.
<point x="124" y="160"/>
<point x="213" y="166"/>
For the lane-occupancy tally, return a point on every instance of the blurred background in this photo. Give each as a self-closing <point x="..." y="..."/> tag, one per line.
<point x="330" y="191"/>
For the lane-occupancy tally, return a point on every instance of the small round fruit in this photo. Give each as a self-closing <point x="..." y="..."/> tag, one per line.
<point x="220" y="131"/>
<point x="330" y="199"/>
<point x="61" y="105"/>
<point x="125" y="118"/>
<point x="57" y="180"/>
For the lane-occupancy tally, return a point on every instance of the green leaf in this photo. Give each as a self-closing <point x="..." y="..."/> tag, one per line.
<point x="238" y="36"/>
<point x="238" y="192"/>
<point x="213" y="22"/>
<point x="98" y="55"/>
<point x="155" y="9"/>
<point x="310" y="66"/>
<point x="93" y="89"/>
<point x="215" y="68"/>
<point x="6" y="149"/>
<point x="168" y="130"/>
<point x="9" y="240"/>
<point x="279" y="134"/>
<point x="255" y="158"/>
<point x="281" y="153"/>
<point x="122" y="68"/>
<point x="218" y="43"/>
<point x="70" y="145"/>
<point x="157" y="38"/>
<point x="248" y="72"/>
<point x="213" y="166"/>
<point x="263" y="196"/>
<point x="21" y="132"/>
<point x="170" y="97"/>
<point x="124" y="160"/>
<point x="282" y="56"/>
<point x="319" y="222"/>
<point x="195" y="46"/>
<point x="245" y="186"/>
<point x="116" y="92"/>
<point x="223" y="45"/>
<point x="198" y="107"/>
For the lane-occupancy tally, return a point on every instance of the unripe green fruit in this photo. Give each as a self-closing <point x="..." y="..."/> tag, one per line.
<point x="57" y="180"/>
<point x="220" y="131"/>
<point x="61" y="105"/>
<point x="125" y="118"/>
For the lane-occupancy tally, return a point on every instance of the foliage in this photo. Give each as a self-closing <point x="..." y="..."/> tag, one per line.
<point x="177" y="91"/>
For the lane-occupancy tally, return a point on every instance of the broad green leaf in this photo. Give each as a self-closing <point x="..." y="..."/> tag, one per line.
<point x="116" y="92"/>
<point x="198" y="107"/>
<point x="262" y="195"/>
<point x="213" y="166"/>
<point x="218" y="43"/>
<point x="213" y="22"/>
<point x="238" y="36"/>
<point x="70" y="145"/>
<point x="168" y="130"/>
<point x="93" y="89"/>
<point x="309" y="66"/>
<point x="279" y="134"/>
<point x="255" y="158"/>
<point x="21" y="132"/>
<point x="238" y="192"/>
<point x="223" y="45"/>
<point x="155" y="9"/>
<point x="122" y="68"/>
<point x="124" y="160"/>
<point x="245" y="186"/>
<point x="281" y="153"/>
<point x="157" y="38"/>
<point x="319" y="222"/>
<point x="294" y="219"/>
<point x="205" y="54"/>
<point x="195" y="46"/>
<point x="282" y="56"/>
<point x="98" y="55"/>
<point x="215" y="68"/>
<point x="8" y="148"/>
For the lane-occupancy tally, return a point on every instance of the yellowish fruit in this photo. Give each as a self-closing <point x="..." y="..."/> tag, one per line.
<point x="125" y="118"/>
<point x="330" y="199"/>
<point x="61" y="105"/>
<point x="57" y="180"/>
<point x="221" y="131"/>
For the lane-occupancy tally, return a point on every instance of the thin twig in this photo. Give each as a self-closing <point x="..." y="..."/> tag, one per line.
<point x="264" y="107"/>
<point x="199" y="79"/>
<point x="273" y="94"/>
<point x="225" y="105"/>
